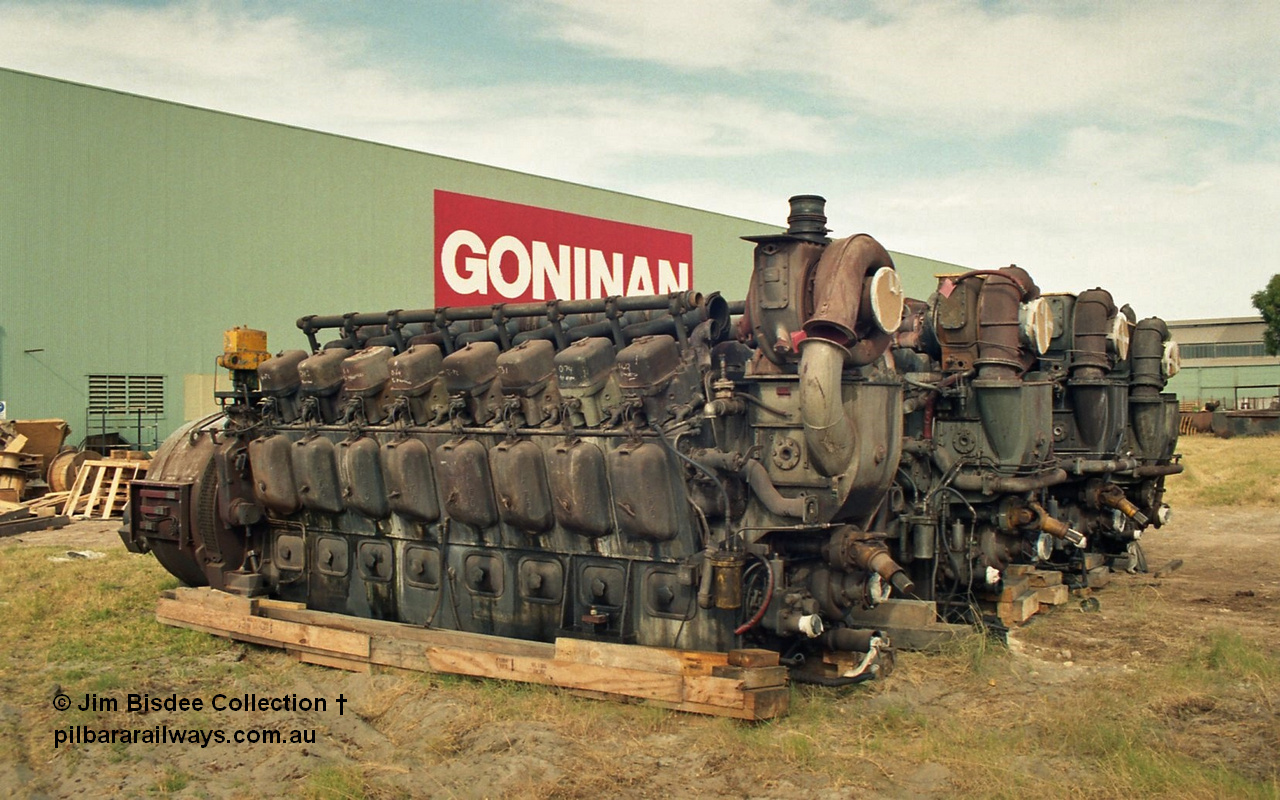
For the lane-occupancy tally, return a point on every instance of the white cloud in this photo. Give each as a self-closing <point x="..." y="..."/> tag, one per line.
<point x="959" y="64"/>
<point x="278" y="67"/>
<point x="1172" y="248"/>
<point x="274" y="67"/>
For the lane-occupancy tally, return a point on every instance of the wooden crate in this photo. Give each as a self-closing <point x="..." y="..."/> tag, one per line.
<point x="102" y="487"/>
<point x="744" y="684"/>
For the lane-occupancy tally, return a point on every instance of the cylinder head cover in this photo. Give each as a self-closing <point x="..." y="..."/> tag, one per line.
<point x="278" y="376"/>
<point x="471" y="370"/>
<point x="527" y="368"/>
<point x="413" y="372"/>
<point x="585" y="365"/>
<point x="645" y="365"/>
<point x="321" y="374"/>
<point x="366" y="373"/>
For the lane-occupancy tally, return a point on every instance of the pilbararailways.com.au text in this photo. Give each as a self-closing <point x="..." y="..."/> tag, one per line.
<point x="164" y="734"/>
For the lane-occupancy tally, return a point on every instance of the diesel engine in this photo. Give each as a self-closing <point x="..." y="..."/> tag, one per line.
<point x="679" y="470"/>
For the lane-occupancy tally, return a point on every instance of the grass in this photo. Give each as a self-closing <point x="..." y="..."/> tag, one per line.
<point x="972" y="713"/>
<point x="171" y="781"/>
<point x="1225" y="655"/>
<point x="335" y="783"/>
<point x="1244" y="471"/>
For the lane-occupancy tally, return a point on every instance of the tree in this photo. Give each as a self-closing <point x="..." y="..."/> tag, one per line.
<point x="1267" y="302"/>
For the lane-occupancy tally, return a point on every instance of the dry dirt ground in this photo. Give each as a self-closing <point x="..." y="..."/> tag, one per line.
<point x="929" y="730"/>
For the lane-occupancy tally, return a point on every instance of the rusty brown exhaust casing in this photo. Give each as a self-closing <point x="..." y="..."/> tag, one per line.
<point x="1000" y="355"/>
<point x="829" y="436"/>
<point x="1146" y="350"/>
<point x="843" y="299"/>
<point x="1092" y="310"/>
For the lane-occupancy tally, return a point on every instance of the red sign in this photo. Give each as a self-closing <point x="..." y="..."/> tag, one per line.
<point x="490" y="251"/>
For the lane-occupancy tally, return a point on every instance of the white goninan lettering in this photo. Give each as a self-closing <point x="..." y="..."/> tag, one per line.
<point x="580" y="272"/>
<point x="547" y="274"/>
<point x="524" y="271"/>
<point x="606" y="278"/>
<point x="668" y="280"/>
<point x="641" y="281"/>
<point x="473" y="281"/>
<point x="513" y="269"/>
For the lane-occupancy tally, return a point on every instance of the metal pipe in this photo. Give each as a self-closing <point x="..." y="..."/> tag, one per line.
<point x="999" y="346"/>
<point x="832" y="683"/>
<point x="829" y="434"/>
<point x="1155" y="470"/>
<point x="758" y="479"/>
<point x="991" y="484"/>
<point x="564" y="307"/>
<point x="1146" y="352"/>
<point x="988" y="483"/>
<point x="1085" y="466"/>
<point x="850" y="640"/>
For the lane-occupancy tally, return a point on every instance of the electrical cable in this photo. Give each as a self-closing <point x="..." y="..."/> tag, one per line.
<point x="768" y="598"/>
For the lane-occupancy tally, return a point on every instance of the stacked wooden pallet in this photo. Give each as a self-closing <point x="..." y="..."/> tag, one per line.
<point x="1023" y="591"/>
<point x="746" y="684"/>
<point x="102" y="487"/>
<point x="47" y="504"/>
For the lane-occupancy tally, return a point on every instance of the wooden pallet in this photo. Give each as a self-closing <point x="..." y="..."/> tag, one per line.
<point x="47" y="504"/>
<point x="1023" y="593"/>
<point x="745" y="684"/>
<point x="102" y="487"/>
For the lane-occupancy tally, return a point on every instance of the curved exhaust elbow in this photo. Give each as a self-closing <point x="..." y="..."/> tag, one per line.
<point x="857" y="298"/>
<point x="828" y="432"/>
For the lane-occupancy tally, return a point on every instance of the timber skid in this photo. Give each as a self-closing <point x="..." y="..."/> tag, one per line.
<point x="743" y="684"/>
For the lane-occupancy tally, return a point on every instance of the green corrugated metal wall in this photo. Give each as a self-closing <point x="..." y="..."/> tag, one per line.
<point x="1202" y="384"/>
<point x="134" y="231"/>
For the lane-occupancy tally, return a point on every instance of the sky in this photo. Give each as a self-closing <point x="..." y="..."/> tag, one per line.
<point x="1132" y="145"/>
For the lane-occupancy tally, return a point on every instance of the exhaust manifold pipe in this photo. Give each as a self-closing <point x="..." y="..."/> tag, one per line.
<point x="857" y="307"/>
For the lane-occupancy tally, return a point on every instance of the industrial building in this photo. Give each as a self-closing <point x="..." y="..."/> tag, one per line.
<point x="135" y="231"/>
<point x="1225" y="364"/>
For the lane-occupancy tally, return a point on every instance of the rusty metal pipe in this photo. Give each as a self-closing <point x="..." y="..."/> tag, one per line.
<point x="991" y="484"/>
<point x="562" y="307"/>
<point x="850" y="640"/>
<point x="1156" y="470"/>
<point x="1146" y="351"/>
<point x="1087" y="466"/>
